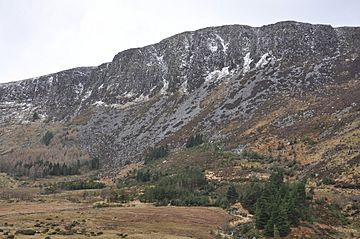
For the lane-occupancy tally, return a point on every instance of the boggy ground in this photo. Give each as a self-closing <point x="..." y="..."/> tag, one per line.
<point x="81" y="220"/>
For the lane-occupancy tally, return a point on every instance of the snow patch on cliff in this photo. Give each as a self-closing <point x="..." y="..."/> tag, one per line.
<point x="216" y="75"/>
<point x="165" y="87"/>
<point x="225" y="46"/>
<point x="263" y="60"/>
<point x="212" y="45"/>
<point x="99" y="103"/>
<point x="183" y="87"/>
<point x="79" y="88"/>
<point x="142" y="98"/>
<point x="129" y="94"/>
<point x="87" y="95"/>
<point x="50" y="80"/>
<point x="247" y="62"/>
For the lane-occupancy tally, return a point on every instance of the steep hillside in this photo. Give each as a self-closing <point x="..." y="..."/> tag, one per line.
<point x="289" y="90"/>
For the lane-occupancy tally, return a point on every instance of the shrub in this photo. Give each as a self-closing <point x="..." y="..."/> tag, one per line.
<point x="320" y="201"/>
<point x="143" y="176"/>
<point x="35" y="116"/>
<point x="222" y="202"/>
<point x="309" y="141"/>
<point x="100" y="205"/>
<point x="28" y="232"/>
<point x="328" y="181"/>
<point x="336" y="212"/>
<point x="47" y="138"/>
<point x="254" y="155"/>
<point x="232" y="195"/>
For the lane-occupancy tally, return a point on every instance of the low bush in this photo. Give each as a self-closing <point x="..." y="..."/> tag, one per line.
<point x="47" y="138"/>
<point x="194" y="140"/>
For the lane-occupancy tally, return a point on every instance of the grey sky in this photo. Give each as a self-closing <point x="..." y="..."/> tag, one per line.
<point x="39" y="37"/>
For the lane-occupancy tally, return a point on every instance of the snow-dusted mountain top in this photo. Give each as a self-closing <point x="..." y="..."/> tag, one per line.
<point x="192" y="81"/>
<point x="181" y="63"/>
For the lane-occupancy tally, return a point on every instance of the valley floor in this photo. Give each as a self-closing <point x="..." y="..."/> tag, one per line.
<point x="131" y="221"/>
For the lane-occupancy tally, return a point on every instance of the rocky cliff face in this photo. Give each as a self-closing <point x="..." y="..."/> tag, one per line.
<point x="218" y="81"/>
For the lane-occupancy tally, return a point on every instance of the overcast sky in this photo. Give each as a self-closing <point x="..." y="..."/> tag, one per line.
<point x="39" y="37"/>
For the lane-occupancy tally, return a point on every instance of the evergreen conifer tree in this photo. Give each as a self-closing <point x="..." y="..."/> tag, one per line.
<point x="232" y="195"/>
<point x="282" y="221"/>
<point x="276" y="232"/>
<point x="269" y="228"/>
<point x="261" y="213"/>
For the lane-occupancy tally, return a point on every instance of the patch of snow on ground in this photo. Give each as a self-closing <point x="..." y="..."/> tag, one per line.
<point x="153" y="88"/>
<point x="9" y="103"/>
<point x="101" y="86"/>
<point x="216" y="75"/>
<point x="87" y="95"/>
<point x="140" y="99"/>
<point x="247" y="62"/>
<point x="50" y="79"/>
<point x="183" y="87"/>
<point x="79" y="88"/>
<point x="212" y="45"/>
<point x="263" y="60"/>
<point x="160" y="59"/>
<point x="225" y="46"/>
<point x="165" y="87"/>
<point x="129" y="94"/>
<point x="99" y="103"/>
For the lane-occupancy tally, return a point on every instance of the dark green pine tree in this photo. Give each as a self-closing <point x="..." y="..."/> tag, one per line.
<point x="64" y="169"/>
<point x="292" y="210"/>
<point x="269" y="228"/>
<point x="282" y="220"/>
<point x="276" y="179"/>
<point x="56" y="169"/>
<point x="300" y="193"/>
<point x="232" y="195"/>
<point x="276" y="232"/>
<point x="261" y="213"/>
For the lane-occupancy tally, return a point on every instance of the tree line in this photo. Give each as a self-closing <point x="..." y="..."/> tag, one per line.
<point x="277" y="205"/>
<point x="187" y="188"/>
<point x="42" y="168"/>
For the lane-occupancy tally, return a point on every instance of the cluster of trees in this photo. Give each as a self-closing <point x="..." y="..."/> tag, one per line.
<point x="113" y="195"/>
<point x="79" y="185"/>
<point x="63" y="170"/>
<point x="255" y="156"/>
<point x="187" y="188"/>
<point x="157" y="153"/>
<point x="41" y="168"/>
<point x="143" y="176"/>
<point x="278" y="205"/>
<point x="73" y="185"/>
<point x="194" y="140"/>
<point x="232" y="195"/>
